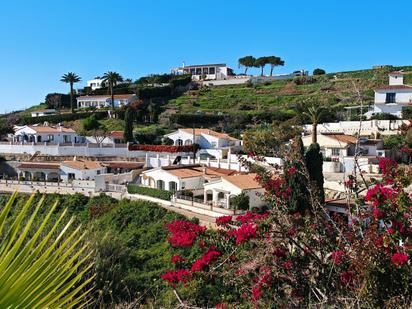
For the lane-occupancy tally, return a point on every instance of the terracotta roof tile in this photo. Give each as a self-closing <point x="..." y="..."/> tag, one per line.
<point x="244" y="182"/>
<point x="209" y="132"/>
<point x="38" y="165"/>
<point x="48" y="129"/>
<point x="197" y="171"/>
<point x="83" y="165"/>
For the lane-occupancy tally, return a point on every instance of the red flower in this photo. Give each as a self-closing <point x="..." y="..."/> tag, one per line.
<point x="399" y="259"/>
<point x="183" y="233"/>
<point x="279" y="252"/>
<point x="336" y="256"/>
<point x="223" y="221"/>
<point x="180" y="275"/>
<point x="177" y="259"/>
<point x="287" y="265"/>
<point x="206" y="259"/>
<point x="291" y="170"/>
<point x="244" y="233"/>
<point x="346" y="277"/>
<point x="256" y="292"/>
<point x="220" y="306"/>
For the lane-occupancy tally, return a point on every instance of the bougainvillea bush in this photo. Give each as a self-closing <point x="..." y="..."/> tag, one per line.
<point x="300" y="256"/>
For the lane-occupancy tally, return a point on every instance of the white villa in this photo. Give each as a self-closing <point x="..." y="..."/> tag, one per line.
<point x="45" y="133"/>
<point x="392" y="98"/>
<point x="64" y="171"/>
<point x="95" y="83"/>
<point x="99" y="101"/>
<point x="211" y="142"/>
<point x="43" y="112"/>
<point x="185" y="177"/>
<point x="219" y="192"/>
<point x="218" y="71"/>
<point x="81" y="170"/>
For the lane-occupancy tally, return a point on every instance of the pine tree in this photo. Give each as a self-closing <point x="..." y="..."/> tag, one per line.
<point x="128" y="127"/>
<point x="314" y="163"/>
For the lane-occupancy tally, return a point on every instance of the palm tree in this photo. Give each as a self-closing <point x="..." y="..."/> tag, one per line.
<point x="40" y="266"/>
<point x="315" y="113"/>
<point x="112" y="78"/>
<point x="71" y="78"/>
<point x="274" y="62"/>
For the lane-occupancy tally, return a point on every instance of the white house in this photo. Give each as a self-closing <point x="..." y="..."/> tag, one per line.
<point x="366" y="128"/>
<point x="40" y="171"/>
<point x="186" y="177"/>
<point x="81" y="170"/>
<point x="219" y="192"/>
<point x="99" y="101"/>
<point x="95" y="83"/>
<point x="393" y="97"/>
<point x="217" y="71"/>
<point x="46" y="133"/>
<point x="211" y="142"/>
<point x="43" y="112"/>
<point x="333" y="146"/>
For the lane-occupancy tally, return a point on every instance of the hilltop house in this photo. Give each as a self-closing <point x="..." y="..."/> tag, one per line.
<point x="99" y="101"/>
<point x="205" y="71"/>
<point x="43" y="112"/>
<point x="219" y="192"/>
<point x="46" y="133"/>
<point x="211" y="142"/>
<point x="393" y="97"/>
<point x="95" y="83"/>
<point x="185" y="177"/>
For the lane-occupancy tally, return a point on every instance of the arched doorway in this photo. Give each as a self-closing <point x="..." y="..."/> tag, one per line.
<point x="179" y="142"/>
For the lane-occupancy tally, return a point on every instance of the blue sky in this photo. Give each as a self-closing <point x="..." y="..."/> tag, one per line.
<point x="41" y="40"/>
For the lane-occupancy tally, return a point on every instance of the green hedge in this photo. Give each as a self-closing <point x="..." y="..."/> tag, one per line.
<point x="62" y="117"/>
<point x="158" y="193"/>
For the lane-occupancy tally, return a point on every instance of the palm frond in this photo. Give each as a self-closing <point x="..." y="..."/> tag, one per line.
<point x="50" y="269"/>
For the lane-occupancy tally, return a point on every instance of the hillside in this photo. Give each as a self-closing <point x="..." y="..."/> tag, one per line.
<point x="233" y="108"/>
<point x="333" y="89"/>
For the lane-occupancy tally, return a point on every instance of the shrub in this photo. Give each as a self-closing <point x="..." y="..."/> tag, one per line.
<point x="240" y="202"/>
<point x="319" y="72"/>
<point x="27" y="120"/>
<point x="157" y="193"/>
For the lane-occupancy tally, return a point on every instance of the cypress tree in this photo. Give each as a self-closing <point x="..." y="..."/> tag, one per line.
<point x="299" y="199"/>
<point x="314" y="163"/>
<point x="128" y="127"/>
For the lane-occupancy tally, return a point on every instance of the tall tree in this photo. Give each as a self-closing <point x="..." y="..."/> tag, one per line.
<point x="247" y="62"/>
<point x="314" y="163"/>
<point x="129" y="118"/>
<point x="112" y="78"/>
<point x="71" y="78"/>
<point x="274" y="62"/>
<point x="315" y="113"/>
<point x="261" y="62"/>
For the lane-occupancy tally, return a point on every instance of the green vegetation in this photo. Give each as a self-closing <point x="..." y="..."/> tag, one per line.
<point x="319" y="71"/>
<point x="43" y="262"/>
<point x="112" y="78"/>
<point x="128" y="240"/>
<point x="335" y="90"/>
<point x="158" y="193"/>
<point x="240" y="202"/>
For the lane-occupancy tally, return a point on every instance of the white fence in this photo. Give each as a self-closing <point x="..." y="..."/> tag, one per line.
<point x="77" y="186"/>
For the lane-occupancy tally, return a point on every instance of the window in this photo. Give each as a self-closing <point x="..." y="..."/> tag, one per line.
<point x="179" y="142"/>
<point x="98" y="172"/>
<point x="206" y="71"/>
<point x="198" y="71"/>
<point x="213" y="144"/>
<point x="211" y="70"/>
<point x="335" y="151"/>
<point x="50" y="137"/>
<point x="390" y="98"/>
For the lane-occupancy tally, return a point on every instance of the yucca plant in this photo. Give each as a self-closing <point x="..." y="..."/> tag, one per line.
<point x="44" y="266"/>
